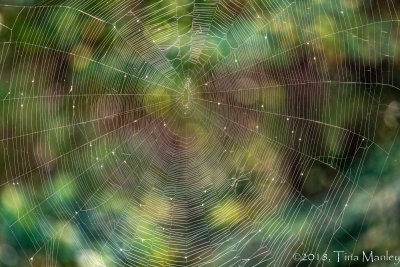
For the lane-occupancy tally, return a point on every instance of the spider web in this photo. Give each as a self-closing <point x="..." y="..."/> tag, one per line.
<point x="189" y="132"/>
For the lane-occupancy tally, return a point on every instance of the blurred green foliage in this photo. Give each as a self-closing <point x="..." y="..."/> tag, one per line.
<point x="80" y="80"/>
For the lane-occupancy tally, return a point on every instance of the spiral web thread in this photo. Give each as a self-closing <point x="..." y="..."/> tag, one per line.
<point x="252" y="95"/>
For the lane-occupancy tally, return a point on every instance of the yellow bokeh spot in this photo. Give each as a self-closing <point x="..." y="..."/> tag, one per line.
<point x="227" y="212"/>
<point x="12" y="199"/>
<point x="155" y="206"/>
<point x="80" y="57"/>
<point x="66" y="233"/>
<point x="90" y="258"/>
<point x="156" y="101"/>
<point x="161" y="34"/>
